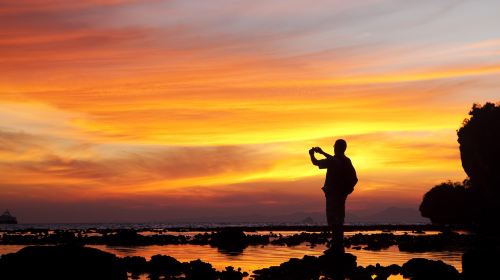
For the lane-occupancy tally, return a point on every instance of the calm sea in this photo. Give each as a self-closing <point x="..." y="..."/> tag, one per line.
<point x="252" y="258"/>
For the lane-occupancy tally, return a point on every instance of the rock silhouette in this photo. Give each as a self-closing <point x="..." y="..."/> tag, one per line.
<point x="424" y="269"/>
<point x="230" y="241"/>
<point x="479" y="140"/>
<point x="83" y="263"/>
<point x="477" y="201"/>
<point x="338" y="265"/>
<point x="480" y="263"/>
<point x="73" y="262"/>
<point x="61" y="263"/>
<point x="164" y="266"/>
<point x="135" y="265"/>
<point x="343" y="266"/>
<point x="459" y="208"/>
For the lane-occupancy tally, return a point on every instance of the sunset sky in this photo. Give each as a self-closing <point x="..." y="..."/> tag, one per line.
<point x="116" y="110"/>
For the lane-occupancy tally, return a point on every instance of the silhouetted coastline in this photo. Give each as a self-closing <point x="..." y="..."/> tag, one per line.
<point x="76" y="262"/>
<point x="235" y="241"/>
<point x="240" y="237"/>
<point x="476" y="201"/>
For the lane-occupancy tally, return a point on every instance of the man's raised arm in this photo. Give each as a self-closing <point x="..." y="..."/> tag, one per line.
<point x="320" y="151"/>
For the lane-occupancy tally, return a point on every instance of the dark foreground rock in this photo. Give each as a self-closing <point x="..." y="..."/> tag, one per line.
<point x="83" y="263"/>
<point x="481" y="263"/>
<point x="229" y="240"/>
<point x="344" y="266"/>
<point x="61" y="262"/>
<point x="327" y="266"/>
<point x="233" y="241"/>
<point x="424" y="269"/>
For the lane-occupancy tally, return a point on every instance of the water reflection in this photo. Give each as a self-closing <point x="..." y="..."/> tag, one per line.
<point x="257" y="257"/>
<point x="6" y="249"/>
<point x="231" y="253"/>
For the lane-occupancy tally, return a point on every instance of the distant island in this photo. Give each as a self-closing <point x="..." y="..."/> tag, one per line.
<point x="7" y="218"/>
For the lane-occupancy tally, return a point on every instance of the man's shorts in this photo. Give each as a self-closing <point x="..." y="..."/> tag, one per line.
<point x="335" y="209"/>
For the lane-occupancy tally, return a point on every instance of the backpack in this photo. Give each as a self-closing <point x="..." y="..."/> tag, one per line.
<point x="350" y="178"/>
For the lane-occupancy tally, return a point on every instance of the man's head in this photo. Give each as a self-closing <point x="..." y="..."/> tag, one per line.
<point x="340" y="147"/>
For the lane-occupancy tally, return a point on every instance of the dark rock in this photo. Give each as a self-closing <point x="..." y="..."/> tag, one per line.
<point x="161" y="265"/>
<point x="479" y="140"/>
<point x="135" y="265"/>
<point x="358" y="273"/>
<point x="424" y="269"/>
<point x="297" y="239"/>
<point x="199" y="270"/>
<point x="480" y="264"/>
<point x="307" y="268"/>
<point x="447" y="240"/>
<point x="383" y="272"/>
<point x="332" y="265"/>
<point x="337" y="265"/>
<point x="231" y="274"/>
<point x="231" y="241"/>
<point x="61" y="262"/>
<point x="393" y="269"/>
<point x="125" y="237"/>
<point x="373" y="241"/>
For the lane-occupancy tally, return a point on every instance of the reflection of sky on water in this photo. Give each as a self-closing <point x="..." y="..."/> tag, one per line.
<point x="252" y="258"/>
<point x="5" y="249"/>
<point x="256" y="257"/>
<point x="393" y="256"/>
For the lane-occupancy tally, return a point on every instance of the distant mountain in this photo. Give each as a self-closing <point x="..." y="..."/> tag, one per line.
<point x="298" y="217"/>
<point x="391" y="215"/>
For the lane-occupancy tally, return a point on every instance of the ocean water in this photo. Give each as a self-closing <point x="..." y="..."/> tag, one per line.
<point x="257" y="257"/>
<point x="85" y="226"/>
<point x="149" y="225"/>
<point x="252" y="258"/>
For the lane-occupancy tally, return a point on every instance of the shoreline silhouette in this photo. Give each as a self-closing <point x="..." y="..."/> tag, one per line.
<point x="235" y="240"/>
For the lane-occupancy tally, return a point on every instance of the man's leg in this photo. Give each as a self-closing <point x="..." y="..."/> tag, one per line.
<point x="338" y="223"/>
<point x="338" y="238"/>
<point x="330" y="218"/>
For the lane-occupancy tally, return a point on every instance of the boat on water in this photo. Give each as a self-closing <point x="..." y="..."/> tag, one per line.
<point x="7" y="218"/>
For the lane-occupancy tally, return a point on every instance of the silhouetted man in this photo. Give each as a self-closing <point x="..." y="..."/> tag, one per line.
<point x="339" y="183"/>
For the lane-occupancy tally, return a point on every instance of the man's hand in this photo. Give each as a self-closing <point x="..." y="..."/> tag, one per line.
<point x="320" y="151"/>
<point x="311" y="154"/>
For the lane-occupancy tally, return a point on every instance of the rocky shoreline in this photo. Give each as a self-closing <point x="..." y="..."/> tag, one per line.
<point x="64" y="255"/>
<point x="236" y="239"/>
<point x="77" y="262"/>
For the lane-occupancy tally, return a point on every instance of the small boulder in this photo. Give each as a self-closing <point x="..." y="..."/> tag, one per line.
<point x="424" y="269"/>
